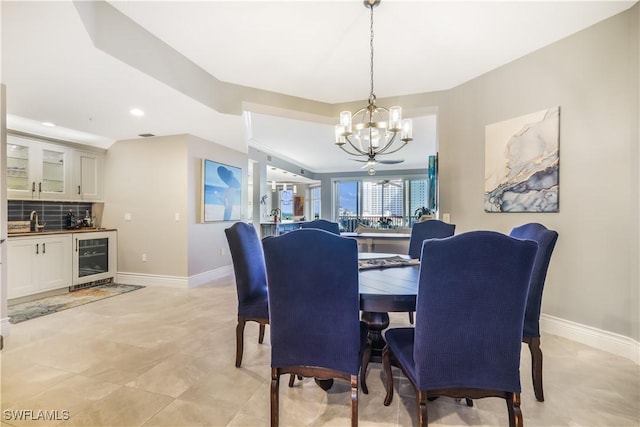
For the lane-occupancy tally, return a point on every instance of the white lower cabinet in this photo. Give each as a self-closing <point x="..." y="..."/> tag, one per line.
<point x="38" y="264"/>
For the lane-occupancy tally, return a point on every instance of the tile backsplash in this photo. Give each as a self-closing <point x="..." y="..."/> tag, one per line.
<point x="52" y="214"/>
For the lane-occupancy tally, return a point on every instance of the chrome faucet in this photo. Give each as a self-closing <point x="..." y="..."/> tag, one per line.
<point x="35" y="226"/>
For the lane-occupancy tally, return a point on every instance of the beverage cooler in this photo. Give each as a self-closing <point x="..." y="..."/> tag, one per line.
<point x="94" y="258"/>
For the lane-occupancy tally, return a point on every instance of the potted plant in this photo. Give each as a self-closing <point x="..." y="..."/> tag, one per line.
<point x="422" y="211"/>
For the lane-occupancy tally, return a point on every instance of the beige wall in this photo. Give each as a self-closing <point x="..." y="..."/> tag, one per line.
<point x="148" y="179"/>
<point x="153" y="179"/>
<point x="593" y="77"/>
<point x="208" y="248"/>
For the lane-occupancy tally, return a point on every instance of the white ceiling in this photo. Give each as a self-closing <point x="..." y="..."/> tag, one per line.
<point x="317" y="50"/>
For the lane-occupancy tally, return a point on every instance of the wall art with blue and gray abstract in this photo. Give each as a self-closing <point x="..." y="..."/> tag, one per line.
<point x="522" y="163"/>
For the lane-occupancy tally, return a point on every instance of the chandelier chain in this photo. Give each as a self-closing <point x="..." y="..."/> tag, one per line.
<point x="376" y="128"/>
<point x="371" y="95"/>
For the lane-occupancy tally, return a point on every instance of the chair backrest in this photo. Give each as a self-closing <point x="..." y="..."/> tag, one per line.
<point x="546" y="240"/>
<point x="322" y="224"/>
<point x="470" y="309"/>
<point x="313" y="300"/>
<point x="430" y="229"/>
<point x="248" y="265"/>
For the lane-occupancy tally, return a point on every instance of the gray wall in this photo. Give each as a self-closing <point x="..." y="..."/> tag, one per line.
<point x="593" y="77"/>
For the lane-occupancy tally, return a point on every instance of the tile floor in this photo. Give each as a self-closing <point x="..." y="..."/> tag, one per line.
<point x="165" y="357"/>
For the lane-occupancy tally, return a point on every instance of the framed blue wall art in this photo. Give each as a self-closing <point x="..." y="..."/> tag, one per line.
<point x="221" y="192"/>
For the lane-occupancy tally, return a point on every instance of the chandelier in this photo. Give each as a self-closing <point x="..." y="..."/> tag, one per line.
<point x="372" y="130"/>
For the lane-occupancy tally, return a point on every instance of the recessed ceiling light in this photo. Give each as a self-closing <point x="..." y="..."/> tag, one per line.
<point x="137" y="112"/>
<point x="51" y="125"/>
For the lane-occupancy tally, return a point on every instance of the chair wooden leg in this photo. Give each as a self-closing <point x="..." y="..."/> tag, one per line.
<point x="423" y="414"/>
<point x="366" y="357"/>
<point x="354" y="401"/>
<point x="388" y="381"/>
<point x="513" y="408"/>
<point x="261" y="336"/>
<point x="275" y="391"/>
<point x="411" y="317"/>
<point x="536" y="366"/>
<point x="239" y="341"/>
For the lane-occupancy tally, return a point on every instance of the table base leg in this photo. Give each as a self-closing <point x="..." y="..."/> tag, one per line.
<point x="377" y="322"/>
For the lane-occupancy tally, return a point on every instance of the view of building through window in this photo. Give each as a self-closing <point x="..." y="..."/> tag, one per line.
<point x="382" y="203"/>
<point x="286" y="204"/>
<point x="314" y="193"/>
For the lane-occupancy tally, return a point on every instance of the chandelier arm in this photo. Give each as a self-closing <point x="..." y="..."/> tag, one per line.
<point x="393" y="151"/>
<point x="387" y="146"/>
<point x="356" y="153"/>
<point x="355" y="147"/>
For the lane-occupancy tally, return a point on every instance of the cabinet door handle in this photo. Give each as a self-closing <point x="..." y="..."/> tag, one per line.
<point x="39" y="187"/>
<point x="78" y="189"/>
<point x="33" y="187"/>
<point x="44" y="248"/>
<point x="37" y="248"/>
<point x="76" y="244"/>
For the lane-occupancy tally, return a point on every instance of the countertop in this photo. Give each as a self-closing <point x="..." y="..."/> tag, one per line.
<point x="65" y="231"/>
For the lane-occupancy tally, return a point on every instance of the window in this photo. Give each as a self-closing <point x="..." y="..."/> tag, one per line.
<point x="286" y="204"/>
<point x="379" y="203"/>
<point x="315" y="202"/>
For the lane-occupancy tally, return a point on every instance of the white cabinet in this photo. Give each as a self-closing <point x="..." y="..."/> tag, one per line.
<point x="88" y="175"/>
<point x="38" y="264"/>
<point x="37" y="170"/>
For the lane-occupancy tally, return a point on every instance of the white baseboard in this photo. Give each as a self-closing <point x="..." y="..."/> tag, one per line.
<point x="598" y="338"/>
<point x="4" y="326"/>
<point x="174" y="281"/>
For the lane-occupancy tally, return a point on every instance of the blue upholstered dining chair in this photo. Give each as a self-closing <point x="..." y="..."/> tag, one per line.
<point x="421" y="231"/>
<point x="466" y="343"/>
<point x="322" y="224"/>
<point x="546" y="240"/>
<point x="314" y="304"/>
<point x="251" y="281"/>
<point x="429" y="229"/>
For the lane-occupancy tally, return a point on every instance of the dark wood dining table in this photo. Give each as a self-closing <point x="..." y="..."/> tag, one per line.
<point x="384" y="290"/>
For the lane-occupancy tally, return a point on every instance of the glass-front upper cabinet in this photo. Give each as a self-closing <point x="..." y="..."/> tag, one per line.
<point x="36" y="170"/>
<point x="18" y="171"/>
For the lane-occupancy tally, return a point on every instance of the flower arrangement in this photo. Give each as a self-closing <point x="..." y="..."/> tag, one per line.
<point x="275" y="213"/>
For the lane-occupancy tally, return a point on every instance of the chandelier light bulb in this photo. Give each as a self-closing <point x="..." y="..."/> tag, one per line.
<point x="395" y="118"/>
<point x="345" y="122"/>
<point x="407" y="130"/>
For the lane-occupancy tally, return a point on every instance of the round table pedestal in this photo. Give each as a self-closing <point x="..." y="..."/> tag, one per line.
<point x="377" y="322"/>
